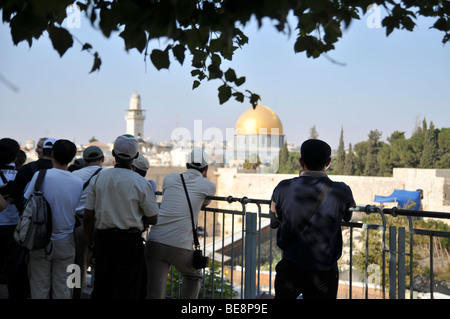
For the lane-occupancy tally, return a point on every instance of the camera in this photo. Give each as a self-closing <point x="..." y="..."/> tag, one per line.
<point x="200" y="261"/>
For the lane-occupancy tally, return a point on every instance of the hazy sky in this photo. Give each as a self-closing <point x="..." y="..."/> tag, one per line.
<point x="387" y="83"/>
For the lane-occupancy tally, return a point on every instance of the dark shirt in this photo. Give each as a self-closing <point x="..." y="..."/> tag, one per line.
<point x="319" y="245"/>
<point x="23" y="177"/>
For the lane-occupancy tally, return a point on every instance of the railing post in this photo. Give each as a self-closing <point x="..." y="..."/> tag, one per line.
<point x="392" y="262"/>
<point x="250" y="255"/>
<point x="401" y="263"/>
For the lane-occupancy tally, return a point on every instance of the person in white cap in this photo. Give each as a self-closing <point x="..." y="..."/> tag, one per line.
<point x="141" y="166"/>
<point x="119" y="205"/>
<point x="170" y="242"/>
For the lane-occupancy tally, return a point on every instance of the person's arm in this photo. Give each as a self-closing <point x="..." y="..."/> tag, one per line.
<point x="152" y="220"/>
<point x="88" y="232"/>
<point x="3" y="203"/>
<point x="274" y="219"/>
<point x="351" y="203"/>
<point x="211" y="192"/>
<point x="150" y="207"/>
<point x="348" y="214"/>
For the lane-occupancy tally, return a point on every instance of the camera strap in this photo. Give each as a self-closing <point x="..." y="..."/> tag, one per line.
<point x="194" y="230"/>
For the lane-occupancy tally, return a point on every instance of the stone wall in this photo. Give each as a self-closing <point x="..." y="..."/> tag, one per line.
<point x="435" y="184"/>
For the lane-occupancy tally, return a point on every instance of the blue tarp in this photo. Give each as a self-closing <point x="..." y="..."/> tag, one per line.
<point x="405" y="199"/>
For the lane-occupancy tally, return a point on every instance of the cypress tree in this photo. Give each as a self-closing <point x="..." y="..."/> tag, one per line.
<point x="349" y="167"/>
<point x="283" y="162"/>
<point x="340" y="156"/>
<point x="430" y="148"/>
<point x="372" y="166"/>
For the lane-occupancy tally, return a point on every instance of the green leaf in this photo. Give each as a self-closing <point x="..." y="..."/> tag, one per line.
<point x="134" y="38"/>
<point x="214" y="71"/>
<point x="238" y="96"/>
<point x="61" y="39"/>
<point x="160" y="59"/>
<point x="441" y="24"/>
<point x="195" y="84"/>
<point x="86" y="46"/>
<point x="230" y="75"/>
<point x="254" y="99"/>
<point x="224" y="93"/>
<point x="178" y="52"/>
<point x="97" y="63"/>
<point x="240" y="81"/>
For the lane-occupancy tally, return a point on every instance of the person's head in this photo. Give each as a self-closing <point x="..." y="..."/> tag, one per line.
<point x="39" y="146"/>
<point x="198" y="160"/>
<point x="421" y="192"/>
<point x="47" y="148"/>
<point x="20" y="158"/>
<point x="126" y="149"/>
<point x="315" y="154"/>
<point x="8" y="150"/>
<point x="63" y="151"/>
<point x="77" y="164"/>
<point x="93" y="154"/>
<point x="140" y="165"/>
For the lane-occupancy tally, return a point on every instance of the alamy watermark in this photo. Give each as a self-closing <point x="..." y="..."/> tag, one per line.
<point x="74" y="278"/>
<point x="253" y="146"/>
<point x="73" y="20"/>
<point x="373" y="21"/>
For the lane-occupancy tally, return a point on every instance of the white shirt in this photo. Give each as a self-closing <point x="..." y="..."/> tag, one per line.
<point x="84" y="174"/>
<point x="120" y="198"/>
<point x="62" y="190"/>
<point x="174" y="225"/>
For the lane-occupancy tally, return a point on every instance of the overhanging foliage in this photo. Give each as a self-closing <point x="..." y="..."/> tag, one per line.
<point x="210" y="31"/>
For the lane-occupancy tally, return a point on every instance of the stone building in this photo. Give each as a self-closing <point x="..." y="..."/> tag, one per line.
<point x="135" y="117"/>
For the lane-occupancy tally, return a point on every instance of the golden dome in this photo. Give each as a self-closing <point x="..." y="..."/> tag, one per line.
<point x="254" y="119"/>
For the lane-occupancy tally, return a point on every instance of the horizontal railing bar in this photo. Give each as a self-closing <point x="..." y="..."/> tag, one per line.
<point x="415" y="213"/>
<point x="221" y="210"/>
<point x="429" y="232"/>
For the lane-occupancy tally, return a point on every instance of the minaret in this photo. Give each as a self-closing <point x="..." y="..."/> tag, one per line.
<point x="135" y="117"/>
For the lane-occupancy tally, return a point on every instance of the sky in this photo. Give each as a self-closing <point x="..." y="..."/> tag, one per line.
<point x="383" y="83"/>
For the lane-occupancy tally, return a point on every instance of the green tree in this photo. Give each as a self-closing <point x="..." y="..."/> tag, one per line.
<point x="444" y="148"/>
<point x="430" y="148"/>
<point x="373" y="146"/>
<point x="340" y="156"/>
<point x="349" y="167"/>
<point x="283" y="159"/>
<point x="208" y="31"/>
<point x="389" y="155"/>
<point x="288" y="161"/>
<point x="384" y="160"/>
<point x="360" y="158"/>
<point x="250" y="163"/>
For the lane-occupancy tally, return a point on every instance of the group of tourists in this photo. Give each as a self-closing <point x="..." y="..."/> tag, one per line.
<point x="99" y="216"/>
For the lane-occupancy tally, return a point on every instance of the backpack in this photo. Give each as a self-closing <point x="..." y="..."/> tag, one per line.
<point x="35" y="224"/>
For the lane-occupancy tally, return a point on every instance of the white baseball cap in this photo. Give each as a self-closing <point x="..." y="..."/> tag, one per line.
<point x="126" y="146"/>
<point x="48" y="143"/>
<point x="198" y="158"/>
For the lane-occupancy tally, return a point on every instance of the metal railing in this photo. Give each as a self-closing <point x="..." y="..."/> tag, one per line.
<point x="243" y="251"/>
